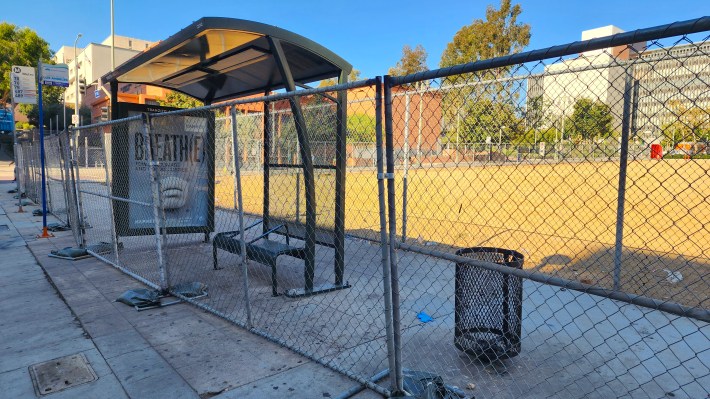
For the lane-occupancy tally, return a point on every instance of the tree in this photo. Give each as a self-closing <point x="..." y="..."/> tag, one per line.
<point x="353" y="76"/>
<point x="533" y="136"/>
<point x="179" y="100"/>
<point x="361" y="128"/>
<point x="51" y="106"/>
<point x="590" y="119"/>
<point x="51" y="111"/>
<point x="22" y="46"/>
<point x="535" y="113"/>
<point x="500" y="34"/>
<point x="485" y="118"/>
<point x="485" y="101"/>
<point x="19" y="46"/>
<point x="412" y="61"/>
<point x="688" y="124"/>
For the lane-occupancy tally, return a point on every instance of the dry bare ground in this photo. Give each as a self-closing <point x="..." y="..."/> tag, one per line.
<point x="562" y="217"/>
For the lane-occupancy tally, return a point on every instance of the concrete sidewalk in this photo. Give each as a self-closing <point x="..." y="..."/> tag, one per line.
<point x="53" y="308"/>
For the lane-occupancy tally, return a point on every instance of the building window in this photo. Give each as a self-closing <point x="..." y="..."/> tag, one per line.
<point x="130" y="44"/>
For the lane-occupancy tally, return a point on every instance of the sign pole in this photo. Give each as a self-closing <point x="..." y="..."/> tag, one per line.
<point x="45" y="234"/>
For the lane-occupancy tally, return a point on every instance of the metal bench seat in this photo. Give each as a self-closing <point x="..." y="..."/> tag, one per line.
<point x="265" y="251"/>
<point x="259" y="249"/>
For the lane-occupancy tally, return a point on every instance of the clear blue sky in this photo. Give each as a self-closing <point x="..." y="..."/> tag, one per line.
<point x="369" y="34"/>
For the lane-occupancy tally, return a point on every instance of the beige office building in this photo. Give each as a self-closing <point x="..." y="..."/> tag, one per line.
<point x="93" y="62"/>
<point x="673" y="86"/>
<point x="596" y="75"/>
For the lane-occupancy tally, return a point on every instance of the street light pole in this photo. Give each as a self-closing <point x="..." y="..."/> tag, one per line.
<point x="113" y="48"/>
<point x="76" y="81"/>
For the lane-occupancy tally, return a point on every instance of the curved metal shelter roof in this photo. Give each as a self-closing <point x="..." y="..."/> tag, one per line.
<point x="216" y="59"/>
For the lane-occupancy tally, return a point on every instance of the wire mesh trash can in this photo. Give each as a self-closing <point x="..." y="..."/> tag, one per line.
<point x="489" y="305"/>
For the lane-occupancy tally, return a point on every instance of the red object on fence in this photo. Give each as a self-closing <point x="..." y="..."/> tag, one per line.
<point x="656" y="151"/>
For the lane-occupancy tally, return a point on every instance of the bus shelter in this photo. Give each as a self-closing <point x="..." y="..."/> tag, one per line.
<point x="220" y="59"/>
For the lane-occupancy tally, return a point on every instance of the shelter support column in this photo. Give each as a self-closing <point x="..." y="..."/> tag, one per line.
<point x="308" y="176"/>
<point x="309" y="184"/>
<point x="340" y="160"/>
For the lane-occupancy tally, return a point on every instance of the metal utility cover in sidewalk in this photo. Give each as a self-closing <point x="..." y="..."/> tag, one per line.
<point x="62" y="373"/>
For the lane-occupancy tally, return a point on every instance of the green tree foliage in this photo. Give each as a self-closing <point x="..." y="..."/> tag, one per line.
<point x="179" y="100"/>
<point x="22" y="46"/>
<point x="18" y="46"/>
<point x="538" y="126"/>
<point x="412" y="61"/>
<point x="353" y="76"/>
<point x="51" y="111"/>
<point x="535" y="113"/>
<point x="52" y="106"/>
<point x="24" y="126"/>
<point x="485" y="101"/>
<point x="361" y="127"/>
<point x="689" y="124"/>
<point x="590" y="120"/>
<point x="500" y="34"/>
<point x="534" y="136"/>
<point x="485" y="118"/>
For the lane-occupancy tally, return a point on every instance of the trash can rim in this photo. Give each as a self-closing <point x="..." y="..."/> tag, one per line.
<point x="504" y="251"/>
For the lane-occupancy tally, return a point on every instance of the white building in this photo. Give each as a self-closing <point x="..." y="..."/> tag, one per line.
<point x="94" y="61"/>
<point x="596" y="75"/>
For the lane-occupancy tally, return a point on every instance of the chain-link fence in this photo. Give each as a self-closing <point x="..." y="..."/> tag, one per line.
<point x="602" y="242"/>
<point x="527" y="226"/>
<point x="167" y="203"/>
<point x="58" y="169"/>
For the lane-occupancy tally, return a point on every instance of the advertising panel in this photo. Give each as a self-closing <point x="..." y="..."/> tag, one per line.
<point x="181" y="150"/>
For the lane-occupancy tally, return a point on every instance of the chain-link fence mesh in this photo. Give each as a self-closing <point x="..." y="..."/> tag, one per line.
<point x="543" y="232"/>
<point x="57" y="180"/>
<point x="180" y="167"/>
<point x="343" y="328"/>
<point x="590" y="203"/>
<point x="119" y="219"/>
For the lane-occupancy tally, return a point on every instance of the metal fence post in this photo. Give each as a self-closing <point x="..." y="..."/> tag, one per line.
<point x="298" y="197"/>
<point x="623" y="163"/>
<point x="240" y="204"/>
<point x="77" y="191"/>
<point x="406" y="166"/>
<point x="18" y="157"/>
<point x="64" y="177"/>
<point x="419" y="125"/>
<point x="154" y="170"/>
<point x="86" y="152"/>
<point x="109" y="189"/>
<point x="233" y="121"/>
<point x="48" y="180"/>
<point x="69" y="188"/>
<point x="386" y="278"/>
<point x="392" y="210"/>
<point x="19" y="172"/>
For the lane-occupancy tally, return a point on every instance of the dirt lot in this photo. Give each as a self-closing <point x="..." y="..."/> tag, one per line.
<point x="562" y="217"/>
